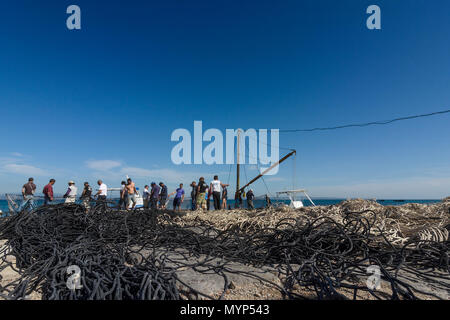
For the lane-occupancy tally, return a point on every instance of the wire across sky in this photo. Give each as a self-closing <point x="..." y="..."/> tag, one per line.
<point x="383" y="122"/>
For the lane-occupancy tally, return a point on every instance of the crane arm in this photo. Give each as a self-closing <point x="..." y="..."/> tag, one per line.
<point x="267" y="170"/>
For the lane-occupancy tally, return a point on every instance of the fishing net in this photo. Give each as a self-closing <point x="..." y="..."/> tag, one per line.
<point x="311" y="253"/>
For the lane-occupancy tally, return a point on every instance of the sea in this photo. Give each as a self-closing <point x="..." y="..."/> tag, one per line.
<point x="258" y="203"/>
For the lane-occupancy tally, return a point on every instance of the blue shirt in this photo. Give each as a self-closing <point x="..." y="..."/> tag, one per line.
<point x="180" y="193"/>
<point x="163" y="191"/>
<point x="155" y="192"/>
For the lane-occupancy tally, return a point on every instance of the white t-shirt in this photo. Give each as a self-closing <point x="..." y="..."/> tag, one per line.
<point x="216" y="187"/>
<point x="103" y="189"/>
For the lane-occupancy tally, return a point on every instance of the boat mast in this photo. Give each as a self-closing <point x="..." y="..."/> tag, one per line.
<point x="237" y="195"/>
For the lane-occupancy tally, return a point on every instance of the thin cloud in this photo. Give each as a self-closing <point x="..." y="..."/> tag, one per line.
<point x="24" y="169"/>
<point x="102" y="165"/>
<point x="17" y="154"/>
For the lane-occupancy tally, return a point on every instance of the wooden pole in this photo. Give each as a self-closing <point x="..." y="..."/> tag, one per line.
<point x="237" y="195"/>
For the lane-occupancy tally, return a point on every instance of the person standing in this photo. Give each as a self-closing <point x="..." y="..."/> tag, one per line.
<point x="216" y="189"/>
<point x="224" y="198"/>
<point x="163" y="196"/>
<point x="131" y="193"/>
<point x="179" y="198"/>
<point x="238" y="200"/>
<point x="48" y="192"/>
<point x="71" y="193"/>
<point x="86" y="196"/>
<point x="208" y="199"/>
<point x="154" y="196"/>
<point x="193" y="196"/>
<point x="28" y="191"/>
<point x="250" y="197"/>
<point x="102" y="192"/>
<point x="268" y="202"/>
<point x="146" y="196"/>
<point x="202" y="188"/>
<point x="123" y="196"/>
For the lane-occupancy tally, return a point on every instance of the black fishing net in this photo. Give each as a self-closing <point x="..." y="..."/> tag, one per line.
<point x="131" y="255"/>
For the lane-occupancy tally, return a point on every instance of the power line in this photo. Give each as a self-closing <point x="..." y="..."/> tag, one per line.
<point x="262" y="177"/>
<point x="368" y="123"/>
<point x="384" y="122"/>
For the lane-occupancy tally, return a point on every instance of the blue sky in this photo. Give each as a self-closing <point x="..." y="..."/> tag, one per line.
<point x="103" y="101"/>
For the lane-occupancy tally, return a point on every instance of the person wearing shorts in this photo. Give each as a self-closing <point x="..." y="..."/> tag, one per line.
<point x="179" y="198"/>
<point x="224" y="197"/>
<point x="202" y="188"/>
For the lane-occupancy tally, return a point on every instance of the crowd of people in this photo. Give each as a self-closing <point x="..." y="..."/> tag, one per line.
<point x="155" y="196"/>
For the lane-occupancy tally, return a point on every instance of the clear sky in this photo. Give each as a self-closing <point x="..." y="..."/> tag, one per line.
<point x="102" y="102"/>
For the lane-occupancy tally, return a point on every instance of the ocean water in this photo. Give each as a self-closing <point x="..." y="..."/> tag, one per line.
<point x="258" y="203"/>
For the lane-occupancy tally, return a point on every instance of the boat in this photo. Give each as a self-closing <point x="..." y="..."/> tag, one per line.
<point x="295" y="204"/>
<point x="139" y="199"/>
<point x="240" y="191"/>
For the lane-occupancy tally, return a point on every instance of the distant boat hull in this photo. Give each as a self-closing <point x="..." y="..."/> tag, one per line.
<point x="296" y="204"/>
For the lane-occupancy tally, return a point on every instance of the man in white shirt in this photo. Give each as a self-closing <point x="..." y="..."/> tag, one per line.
<point x="216" y="188"/>
<point x="102" y="191"/>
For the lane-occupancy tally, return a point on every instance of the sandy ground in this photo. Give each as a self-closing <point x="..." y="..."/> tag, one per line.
<point x="8" y="275"/>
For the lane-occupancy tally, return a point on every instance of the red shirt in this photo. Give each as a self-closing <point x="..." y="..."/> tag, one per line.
<point x="48" y="190"/>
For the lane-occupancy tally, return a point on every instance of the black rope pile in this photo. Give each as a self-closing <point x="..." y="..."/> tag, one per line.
<point x="131" y="255"/>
